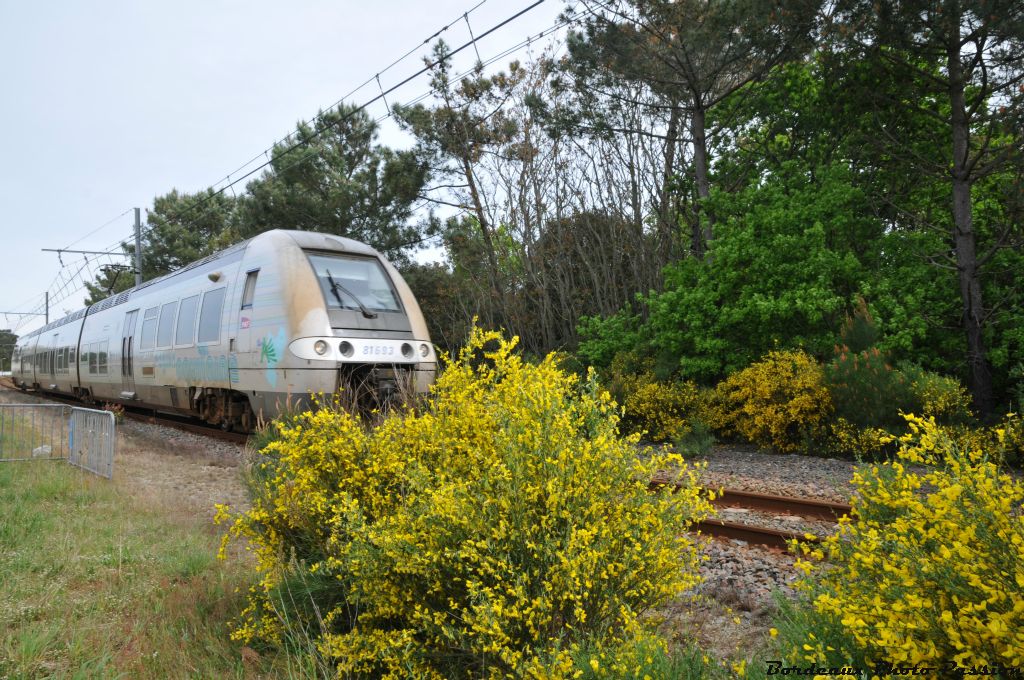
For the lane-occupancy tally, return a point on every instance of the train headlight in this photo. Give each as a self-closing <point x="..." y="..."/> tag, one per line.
<point x="407" y="350"/>
<point x="424" y="350"/>
<point x="320" y="347"/>
<point x="346" y="348"/>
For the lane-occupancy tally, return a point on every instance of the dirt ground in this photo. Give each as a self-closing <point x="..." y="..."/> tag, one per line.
<point x="181" y="472"/>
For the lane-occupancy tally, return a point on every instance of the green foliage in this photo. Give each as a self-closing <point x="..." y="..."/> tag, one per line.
<point x="342" y="181"/>
<point x="499" y="532"/>
<point x="7" y="342"/>
<point x="603" y="338"/>
<point x="696" y="440"/>
<point x="859" y="332"/>
<point x="866" y="389"/>
<point x="781" y="272"/>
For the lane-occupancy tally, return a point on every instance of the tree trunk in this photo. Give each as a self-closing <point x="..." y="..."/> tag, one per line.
<point x="667" y="224"/>
<point x="979" y="372"/>
<point x="485" y="231"/>
<point x="702" y="228"/>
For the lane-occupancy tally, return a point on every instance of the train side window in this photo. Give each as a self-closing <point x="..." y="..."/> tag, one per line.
<point x="249" y="292"/>
<point x="71" y="357"/>
<point x="148" y="338"/>
<point x="102" y="359"/>
<point x="209" y="317"/>
<point x="93" y="358"/>
<point x="165" y="329"/>
<point x="186" y="329"/>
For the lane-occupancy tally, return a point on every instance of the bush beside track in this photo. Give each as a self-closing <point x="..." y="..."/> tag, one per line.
<point x="501" y="529"/>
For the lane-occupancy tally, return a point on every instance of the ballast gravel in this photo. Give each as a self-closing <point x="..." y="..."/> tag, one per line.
<point x="730" y="612"/>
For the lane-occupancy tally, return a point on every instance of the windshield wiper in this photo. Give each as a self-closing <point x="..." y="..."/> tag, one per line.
<point x="335" y="287"/>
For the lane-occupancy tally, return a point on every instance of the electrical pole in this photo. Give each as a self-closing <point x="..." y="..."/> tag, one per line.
<point x="47" y="306"/>
<point x="138" y="249"/>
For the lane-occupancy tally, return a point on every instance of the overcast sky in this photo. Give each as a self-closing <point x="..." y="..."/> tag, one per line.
<point x="107" y="104"/>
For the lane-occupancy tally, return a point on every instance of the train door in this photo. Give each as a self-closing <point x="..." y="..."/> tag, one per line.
<point x="242" y="343"/>
<point x="51" y="361"/>
<point x="128" y="355"/>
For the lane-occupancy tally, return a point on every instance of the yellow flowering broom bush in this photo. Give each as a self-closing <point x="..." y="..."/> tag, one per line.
<point x="493" y="533"/>
<point x="780" y="402"/>
<point x="662" y="412"/>
<point x="931" y="569"/>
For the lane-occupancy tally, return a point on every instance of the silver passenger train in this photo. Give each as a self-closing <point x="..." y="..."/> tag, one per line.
<point x="241" y="334"/>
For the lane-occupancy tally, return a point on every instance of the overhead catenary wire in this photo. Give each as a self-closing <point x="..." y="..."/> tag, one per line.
<point x="343" y="98"/>
<point x="233" y="178"/>
<point x="316" y="133"/>
<point x="113" y="247"/>
<point x="332" y="124"/>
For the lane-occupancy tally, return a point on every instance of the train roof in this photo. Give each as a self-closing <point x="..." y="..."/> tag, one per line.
<point x="307" y="240"/>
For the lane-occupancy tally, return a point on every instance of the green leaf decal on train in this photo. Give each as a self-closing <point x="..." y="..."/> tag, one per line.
<point x="268" y="355"/>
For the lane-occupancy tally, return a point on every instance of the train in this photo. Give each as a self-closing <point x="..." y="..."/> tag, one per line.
<point x="242" y="335"/>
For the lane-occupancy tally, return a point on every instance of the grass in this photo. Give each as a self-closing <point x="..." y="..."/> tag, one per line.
<point x="94" y="584"/>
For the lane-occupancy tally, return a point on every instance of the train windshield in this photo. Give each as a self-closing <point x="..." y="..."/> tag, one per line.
<point x="354" y="283"/>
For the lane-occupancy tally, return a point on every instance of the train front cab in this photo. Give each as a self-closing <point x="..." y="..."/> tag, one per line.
<point x="289" y="328"/>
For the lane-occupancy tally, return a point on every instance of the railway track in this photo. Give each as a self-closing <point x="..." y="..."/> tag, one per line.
<point x="184" y="423"/>
<point x="147" y="415"/>
<point x="726" y="498"/>
<point x="766" y="536"/>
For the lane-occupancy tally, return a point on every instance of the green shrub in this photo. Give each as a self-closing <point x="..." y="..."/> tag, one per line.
<point x="866" y="390"/>
<point x="696" y="440"/>
<point x="601" y="339"/>
<point x="496" y="533"/>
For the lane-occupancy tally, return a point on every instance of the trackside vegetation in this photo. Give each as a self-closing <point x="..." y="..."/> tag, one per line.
<point x="501" y="529"/>
<point x="929" y="573"/>
<point x="504" y="529"/>
<point x="94" y="584"/>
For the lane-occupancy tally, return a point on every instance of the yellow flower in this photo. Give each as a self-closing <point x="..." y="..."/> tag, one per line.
<point x="499" y="521"/>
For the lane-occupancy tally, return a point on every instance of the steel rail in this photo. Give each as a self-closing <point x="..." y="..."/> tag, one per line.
<point x="146" y="414"/>
<point x="774" y="538"/>
<point x="804" y="507"/>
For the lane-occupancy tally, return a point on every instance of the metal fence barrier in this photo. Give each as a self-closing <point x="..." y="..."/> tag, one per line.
<point x="83" y="437"/>
<point x="92" y="440"/>
<point x="34" y="431"/>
